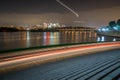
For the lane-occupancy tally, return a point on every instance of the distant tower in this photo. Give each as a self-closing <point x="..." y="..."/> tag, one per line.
<point x="45" y="25"/>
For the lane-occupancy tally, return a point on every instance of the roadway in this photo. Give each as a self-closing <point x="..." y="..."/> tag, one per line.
<point x="63" y="68"/>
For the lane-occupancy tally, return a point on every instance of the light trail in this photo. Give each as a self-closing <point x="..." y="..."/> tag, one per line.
<point x="62" y="51"/>
<point x="76" y="14"/>
<point x="30" y="60"/>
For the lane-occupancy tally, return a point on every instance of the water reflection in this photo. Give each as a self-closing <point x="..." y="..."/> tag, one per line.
<point x="114" y="39"/>
<point x="107" y="39"/>
<point x="76" y="37"/>
<point x="12" y="40"/>
<point x="50" y="38"/>
<point x="28" y="39"/>
<point x="103" y="38"/>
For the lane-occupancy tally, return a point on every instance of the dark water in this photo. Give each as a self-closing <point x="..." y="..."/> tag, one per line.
<point x="14" y="40"/>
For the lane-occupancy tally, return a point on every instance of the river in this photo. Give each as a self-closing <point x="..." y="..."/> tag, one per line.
<point x="14" y="40"/>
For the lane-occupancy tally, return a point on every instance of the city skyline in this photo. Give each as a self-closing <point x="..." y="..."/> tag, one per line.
<point x="30" y="12"/>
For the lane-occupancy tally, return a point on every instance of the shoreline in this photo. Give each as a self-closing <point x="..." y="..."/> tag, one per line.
<point x="42" y="47"/>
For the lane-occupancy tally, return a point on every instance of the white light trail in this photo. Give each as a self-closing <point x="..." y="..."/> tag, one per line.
<point x="68" y="8"/>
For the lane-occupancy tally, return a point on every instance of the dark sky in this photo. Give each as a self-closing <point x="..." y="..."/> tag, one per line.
<point x="37" y="11"/>
<point x="48" y="6"/>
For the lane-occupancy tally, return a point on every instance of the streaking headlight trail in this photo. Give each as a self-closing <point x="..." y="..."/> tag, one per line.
<point x="68" y="8"/>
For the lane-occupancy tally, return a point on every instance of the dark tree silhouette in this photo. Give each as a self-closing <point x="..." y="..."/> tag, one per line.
<point x="112" y="24"/>
<point x="118" y="22"/>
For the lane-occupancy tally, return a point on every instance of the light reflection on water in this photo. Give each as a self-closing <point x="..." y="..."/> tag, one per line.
<point x="13" y="40"/>
<point x="107" y="39"/>
<point x="28" y="39"/>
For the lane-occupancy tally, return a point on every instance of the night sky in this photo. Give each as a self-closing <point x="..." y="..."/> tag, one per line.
<point x="95" y="13"/>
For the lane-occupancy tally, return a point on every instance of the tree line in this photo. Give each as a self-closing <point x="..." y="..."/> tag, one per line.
<point x="113" y="25"/>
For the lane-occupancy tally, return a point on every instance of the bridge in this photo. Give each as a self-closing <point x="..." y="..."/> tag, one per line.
<point x="77" y="29"/>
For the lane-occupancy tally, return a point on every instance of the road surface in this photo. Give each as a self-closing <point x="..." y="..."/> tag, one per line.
<point x="103" y="65"/>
